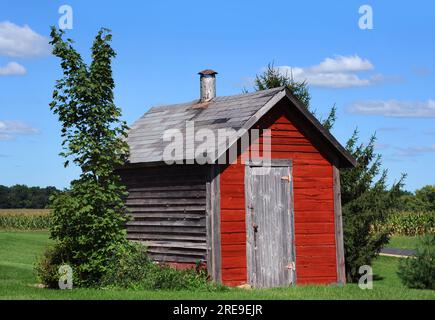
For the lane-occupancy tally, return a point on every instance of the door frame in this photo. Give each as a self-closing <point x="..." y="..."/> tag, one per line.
<point x="250" y="258"/>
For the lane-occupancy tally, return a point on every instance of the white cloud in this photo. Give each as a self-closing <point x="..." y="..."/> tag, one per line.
<point x="415" y="150"/>
<point x="395" y="108"/>
<point x="343" y="64"/>
<point x="337" y="72"/>
<point x="390" y="129"/>
<point x="12" y="69"/>
<point x="10" y="129"/>
<point x="381" y="146"/>
<point x="5" y="137"/>
<point x="21" y="41"/>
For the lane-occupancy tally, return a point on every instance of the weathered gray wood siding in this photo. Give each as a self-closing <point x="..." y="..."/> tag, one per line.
<point x="168" y="204"/>
<point x="339" y="244"/>
<point x="269" y="224"/>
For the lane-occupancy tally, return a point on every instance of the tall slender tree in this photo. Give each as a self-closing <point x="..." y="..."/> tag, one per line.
<point x="88" y="220"/>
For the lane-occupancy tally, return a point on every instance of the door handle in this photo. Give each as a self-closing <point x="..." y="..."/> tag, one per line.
<point x="255" y="226"/>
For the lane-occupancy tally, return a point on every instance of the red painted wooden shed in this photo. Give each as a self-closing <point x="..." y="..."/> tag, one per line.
<point x="250" y="219"/>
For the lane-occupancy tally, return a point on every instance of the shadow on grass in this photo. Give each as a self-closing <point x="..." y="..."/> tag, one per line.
<point x="377" y="277"/>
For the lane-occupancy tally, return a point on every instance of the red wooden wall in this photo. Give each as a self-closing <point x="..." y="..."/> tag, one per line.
<point x="313" y="206"/>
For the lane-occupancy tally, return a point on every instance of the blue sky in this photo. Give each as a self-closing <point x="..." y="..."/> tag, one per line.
<point x="381" y="80"/>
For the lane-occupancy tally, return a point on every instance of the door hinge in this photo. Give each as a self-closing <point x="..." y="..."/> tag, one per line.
<point x="287" y="178"/>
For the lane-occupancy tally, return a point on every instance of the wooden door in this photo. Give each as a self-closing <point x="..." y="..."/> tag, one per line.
<point x="270" y="243"/>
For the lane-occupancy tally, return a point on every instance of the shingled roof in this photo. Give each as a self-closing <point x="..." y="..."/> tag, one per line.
<point x="238" y="112"/>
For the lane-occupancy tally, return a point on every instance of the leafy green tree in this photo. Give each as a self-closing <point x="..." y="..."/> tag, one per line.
<point x="88" y="220"/>
<point x="366" y="199"/>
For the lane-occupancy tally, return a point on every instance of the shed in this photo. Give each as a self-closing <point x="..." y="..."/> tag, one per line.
<point x="251" y="220"/>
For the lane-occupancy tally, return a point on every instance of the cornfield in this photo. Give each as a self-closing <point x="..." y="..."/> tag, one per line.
<point x="409" y="223"/>
<point x="24" y="219"/>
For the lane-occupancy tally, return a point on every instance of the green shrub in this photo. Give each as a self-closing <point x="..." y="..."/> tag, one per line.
<point x="25" y="222"/>
<point x="409" y="223"/>
<point x="132" y="268"/>
<point x="127" y="267"/>
<point x="47" y="266"/>
<point x="419" y="271"/>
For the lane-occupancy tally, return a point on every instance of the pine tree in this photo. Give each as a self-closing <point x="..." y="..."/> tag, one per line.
<point x="366" y="201"/>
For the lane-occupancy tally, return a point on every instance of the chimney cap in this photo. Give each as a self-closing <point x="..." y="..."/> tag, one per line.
<point x="207" y="72"/>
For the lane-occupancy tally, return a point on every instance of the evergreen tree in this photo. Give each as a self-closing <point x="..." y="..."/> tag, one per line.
<point x="366" y="201"/>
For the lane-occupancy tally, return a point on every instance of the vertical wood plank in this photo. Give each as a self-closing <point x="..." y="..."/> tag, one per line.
<point x="249" y="230"/>
<point x="213" y="230"/>
<point x="208" y="220"/>
<point x="293" y="277"/>
<point x="341" y="274"/>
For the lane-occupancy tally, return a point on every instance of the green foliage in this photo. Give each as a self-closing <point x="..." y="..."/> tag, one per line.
<point x="366" y="201"/>
<point x="132" y="268"/>
<point x="25" y="222"/>
<point x="422" y="200"/>
<point x="273" y="78"/>
<point x="405" y="223"/>
<point x="427" y="196"/>
<point x="88" y="220"/>
<point x="127" y="268"/>
<point x="21" y="196"/>
<point x="419" y="271"/>
<point x="47" y="266"/>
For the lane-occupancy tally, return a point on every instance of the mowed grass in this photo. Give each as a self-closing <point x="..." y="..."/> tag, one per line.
<point x="403" y="242"/>
<point x="18" y="251"/>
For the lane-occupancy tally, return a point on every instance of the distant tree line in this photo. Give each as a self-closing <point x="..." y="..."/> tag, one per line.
<point x="422" y="199"/>
<point x="24" y="197"/>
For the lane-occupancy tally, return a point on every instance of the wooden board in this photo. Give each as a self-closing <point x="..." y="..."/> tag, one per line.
<point x="341" y="274"/>
<point x="213" y="222"/>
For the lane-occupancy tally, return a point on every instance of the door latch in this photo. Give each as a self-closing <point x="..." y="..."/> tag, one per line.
<point x="286" y="178"/>
<point x="291" y="266"/>
<point x="255" y="226"/>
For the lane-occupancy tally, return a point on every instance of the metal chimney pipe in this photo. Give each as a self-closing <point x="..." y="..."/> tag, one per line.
<point x="207" y="85"/>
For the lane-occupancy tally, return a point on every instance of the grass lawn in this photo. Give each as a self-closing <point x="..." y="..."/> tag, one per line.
<point x="403" y="242"/>
<point x="17" y="281"/>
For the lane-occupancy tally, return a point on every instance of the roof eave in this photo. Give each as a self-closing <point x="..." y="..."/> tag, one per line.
<point x="346" y="159"/>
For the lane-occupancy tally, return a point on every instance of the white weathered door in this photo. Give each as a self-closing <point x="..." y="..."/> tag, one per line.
<point x="270" y="247"/>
